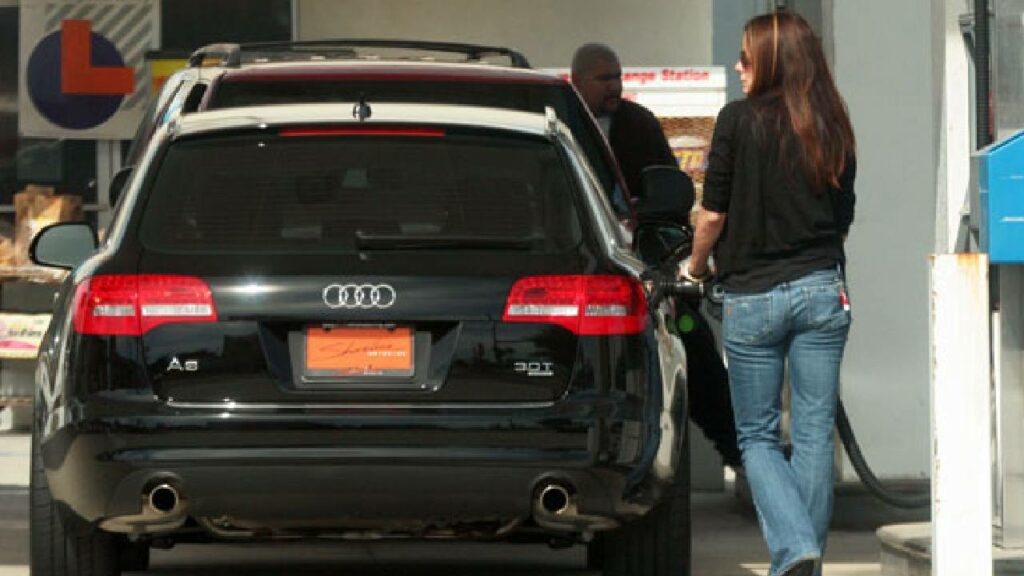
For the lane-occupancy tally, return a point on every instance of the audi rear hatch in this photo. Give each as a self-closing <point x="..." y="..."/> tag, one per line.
<point x="373" y="264"/>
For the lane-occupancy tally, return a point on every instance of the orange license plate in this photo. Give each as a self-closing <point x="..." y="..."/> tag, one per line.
<point x="359" y="351"/>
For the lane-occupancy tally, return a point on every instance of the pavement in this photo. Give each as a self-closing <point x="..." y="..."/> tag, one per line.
<point x="726" y="541"/>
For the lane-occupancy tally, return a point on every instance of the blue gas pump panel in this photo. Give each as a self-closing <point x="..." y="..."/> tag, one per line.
<point x="1001" y="200"/>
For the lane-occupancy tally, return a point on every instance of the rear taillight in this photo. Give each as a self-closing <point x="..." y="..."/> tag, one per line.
<point x="131" y="305"/>
<point x="586" y="305"/>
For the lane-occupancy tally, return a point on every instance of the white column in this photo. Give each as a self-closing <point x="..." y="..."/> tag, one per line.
<point x="954" y="166"/>
<point x="961" y="420"/>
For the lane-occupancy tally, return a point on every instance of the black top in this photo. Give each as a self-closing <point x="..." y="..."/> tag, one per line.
<point x="778" y="229"/>
<point x="638" y="141"/>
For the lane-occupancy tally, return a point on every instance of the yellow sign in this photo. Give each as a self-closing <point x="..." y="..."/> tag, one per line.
<point x="162" y="68"/>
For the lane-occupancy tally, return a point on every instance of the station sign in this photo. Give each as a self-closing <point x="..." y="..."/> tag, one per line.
<point x="82" y="67"/>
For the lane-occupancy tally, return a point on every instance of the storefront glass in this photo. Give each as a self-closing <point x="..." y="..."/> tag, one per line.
<point x="189" y="24"/>
<point x="8" y="102"/>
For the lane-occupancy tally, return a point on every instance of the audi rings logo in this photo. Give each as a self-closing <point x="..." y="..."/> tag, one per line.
<point x="359" y="296"/>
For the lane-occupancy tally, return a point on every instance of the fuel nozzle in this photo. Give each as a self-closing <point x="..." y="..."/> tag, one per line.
<point x="711" y="289"/>
<point x="693" y="291"/>
<point x="689" y="289"/>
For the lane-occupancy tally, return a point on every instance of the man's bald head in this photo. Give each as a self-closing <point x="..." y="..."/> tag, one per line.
<point x="589" y="55"/>
<point x="597" y="75"/>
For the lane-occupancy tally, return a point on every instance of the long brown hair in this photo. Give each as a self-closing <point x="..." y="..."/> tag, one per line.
<point x="789" y="74"/>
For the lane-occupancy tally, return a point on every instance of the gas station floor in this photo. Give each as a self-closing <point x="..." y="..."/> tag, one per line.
<point x="727" y="542"/>
<point x="726" y="537"/>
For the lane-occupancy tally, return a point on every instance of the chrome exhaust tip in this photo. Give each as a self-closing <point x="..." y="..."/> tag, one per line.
<point x="162" y="509"/>
<point x="554" y="499"/>
<point x="163" y="499"/>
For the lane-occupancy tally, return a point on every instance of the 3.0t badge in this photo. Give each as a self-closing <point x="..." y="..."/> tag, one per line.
<point x="534" y="368"/>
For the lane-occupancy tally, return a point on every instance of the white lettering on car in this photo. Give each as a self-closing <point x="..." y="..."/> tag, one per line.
<point x="534" y="368"/>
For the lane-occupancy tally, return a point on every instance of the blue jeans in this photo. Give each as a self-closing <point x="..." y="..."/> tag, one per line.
<point x="805" y="322"/>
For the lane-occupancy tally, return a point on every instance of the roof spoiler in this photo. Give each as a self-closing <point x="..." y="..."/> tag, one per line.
<point x="230" y="55"/>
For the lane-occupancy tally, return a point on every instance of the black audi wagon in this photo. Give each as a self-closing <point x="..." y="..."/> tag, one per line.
<point x="361" y="321"/>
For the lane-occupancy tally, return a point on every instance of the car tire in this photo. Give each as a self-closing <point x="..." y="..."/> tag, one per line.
<point x="595" y="552"/>
<point x="64" y="546"/>
<point x="134" y="556"/>
<point x="657" y="544"/>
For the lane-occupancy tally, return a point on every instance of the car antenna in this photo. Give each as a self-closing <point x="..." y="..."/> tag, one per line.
<point x="361" y="111"/>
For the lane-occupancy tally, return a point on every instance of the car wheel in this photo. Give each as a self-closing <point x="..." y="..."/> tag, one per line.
<point x="595" y="552"/>
<point x="134" y="556"/>
<point x="655" y="545"/>
<point x="59" y="546"/>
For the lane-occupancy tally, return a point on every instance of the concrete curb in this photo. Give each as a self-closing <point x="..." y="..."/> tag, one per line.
<point x="907" y="551"/>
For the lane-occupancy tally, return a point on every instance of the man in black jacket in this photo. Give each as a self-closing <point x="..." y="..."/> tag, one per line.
<point x="633" y="132"/>
<point x="637" y="140"/>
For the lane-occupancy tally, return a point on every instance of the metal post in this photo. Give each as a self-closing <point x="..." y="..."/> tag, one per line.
<point x="108" y="162"/>
<point x="961" y="422"/>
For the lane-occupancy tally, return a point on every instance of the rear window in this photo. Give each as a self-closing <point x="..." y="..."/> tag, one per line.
<point x="525" y="97"/>
<point x="347" y="194"/>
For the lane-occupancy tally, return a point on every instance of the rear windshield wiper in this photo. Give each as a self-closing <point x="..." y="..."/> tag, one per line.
<point x="373" y="241"/>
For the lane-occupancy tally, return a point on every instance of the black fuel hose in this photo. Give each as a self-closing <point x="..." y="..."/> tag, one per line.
<point x="982" y="73"/>
<point x="867" y="476"/>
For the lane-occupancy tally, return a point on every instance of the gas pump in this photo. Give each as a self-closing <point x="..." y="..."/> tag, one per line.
<point x="997" y="223"/>
<point x="999" y="199"/>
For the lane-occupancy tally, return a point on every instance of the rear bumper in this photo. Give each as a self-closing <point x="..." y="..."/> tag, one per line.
<point x="378" y="470"/>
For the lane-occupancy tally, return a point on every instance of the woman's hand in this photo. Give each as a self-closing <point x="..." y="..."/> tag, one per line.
<point x="694" y="271"/>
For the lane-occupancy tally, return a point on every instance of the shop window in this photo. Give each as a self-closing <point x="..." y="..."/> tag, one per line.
<point x="8" y="102"/>
<point x="189" y="24"/>
<point x="66" y="166"/>
<point x="69" y="166"/>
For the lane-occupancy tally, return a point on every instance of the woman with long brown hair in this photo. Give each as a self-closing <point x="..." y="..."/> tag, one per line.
<point x="777" y="206"/>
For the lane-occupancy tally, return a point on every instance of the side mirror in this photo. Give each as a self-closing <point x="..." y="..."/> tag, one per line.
<point x="118" y="182"/>
<point x="63" y="245"/>
<point x="668" y="196"/>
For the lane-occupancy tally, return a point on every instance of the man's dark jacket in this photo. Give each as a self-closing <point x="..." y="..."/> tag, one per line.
<point x="637" y="140"/>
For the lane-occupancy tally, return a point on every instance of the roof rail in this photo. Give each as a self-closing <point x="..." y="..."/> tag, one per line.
<point x="230" y="54"/>
<point x="220" y="52"/>
<point x="550" y="122"/>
